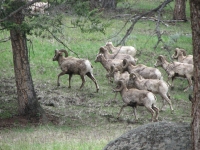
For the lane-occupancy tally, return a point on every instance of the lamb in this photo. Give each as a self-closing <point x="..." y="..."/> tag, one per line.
<point x="72" y="65"/>
<point x="176" y="69"/>
<point x="144" y="71"/>
<point x="180" y="55"/>
<point x="134" y="97"/>
<point x="121" y="49"/>
<point x="107" y="55"/>
<point x="153" y="85"/>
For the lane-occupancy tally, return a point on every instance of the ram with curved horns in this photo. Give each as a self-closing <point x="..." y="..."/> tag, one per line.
<point x="73" y="65"/>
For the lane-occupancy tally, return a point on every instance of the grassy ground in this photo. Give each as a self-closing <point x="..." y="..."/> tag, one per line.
<point x="87" y="120"/>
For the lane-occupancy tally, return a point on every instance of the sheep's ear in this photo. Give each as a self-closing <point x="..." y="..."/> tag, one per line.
<point x="101" y="50"/>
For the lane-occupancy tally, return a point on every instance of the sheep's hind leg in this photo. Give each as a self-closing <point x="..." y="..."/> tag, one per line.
<point x="168" y="101"/>
<point x="151" y="111"/>
<point x="93" y="79"/>
<point x="83" y="81"/>
<point x="156" y="110"/>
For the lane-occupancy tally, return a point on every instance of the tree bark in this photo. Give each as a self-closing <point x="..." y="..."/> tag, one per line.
<point x="109" y="4"/>
<point x="179" y="10"/>
<point x="27" y="100"/>
<point x="195" y="25"/>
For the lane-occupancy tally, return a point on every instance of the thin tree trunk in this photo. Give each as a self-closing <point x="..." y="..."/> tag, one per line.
<point x="27" y="100"/>
<point x="195" y="25"/>
<point x="179" y="10"/>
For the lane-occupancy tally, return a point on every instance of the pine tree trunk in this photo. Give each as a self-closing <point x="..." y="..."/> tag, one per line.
<point x="195" y="24"/>
<point x="27" y="100"/>
<point x="179" y="10"/>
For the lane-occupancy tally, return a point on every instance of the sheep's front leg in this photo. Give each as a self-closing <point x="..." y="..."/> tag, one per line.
<point x="62" y="73"/>
<point x="125" y="105"/>
<point x="70" y="76"/>
<point x="189" y="84"/>
<point x="135" y="113"/>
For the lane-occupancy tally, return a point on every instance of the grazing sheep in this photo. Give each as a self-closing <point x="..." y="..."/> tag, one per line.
<point x="107" y="55"/>
<point x="134" y="97"/>
<point x="121" y="49"/>
<point x="153" y="85"/>
<point x="72" y="65"/>
<point x="176" y="69"/>
<point x="180" y="55"/>
<point x="144" y="71"/>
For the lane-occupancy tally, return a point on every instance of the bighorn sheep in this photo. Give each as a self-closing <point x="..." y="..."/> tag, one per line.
<point x="115" y="73"/>
<point x="72" y="65"/>
<point x="180" y="55"/>
<point x="134" y="97"/>
<point x="153" y="85"/>
<point x="107" y="55"/>
<point x="176" y="69"/>
<point x="107" y="63"/>
<point x="144" y="71"/>
<point x="121" y="49"/>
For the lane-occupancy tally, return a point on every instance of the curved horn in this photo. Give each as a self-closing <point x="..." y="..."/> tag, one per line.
<point x="121" y="83"/>
<point x="184" y="52"/>
<point x="125" y="63"/>
<point x="176" y="52"/>
<point x="161" y="58"/>
<point x="134" y="75"/>
<point x="64" y="51"/>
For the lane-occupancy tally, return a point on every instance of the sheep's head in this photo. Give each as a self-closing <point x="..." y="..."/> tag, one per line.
<point x="102" y="50"/>
<point x="120" y="85"/>
<point x="98" y="58"/>
<point x="160" y="61"/>
<point x="59" y="53"/>
<point x="178" y="52"/>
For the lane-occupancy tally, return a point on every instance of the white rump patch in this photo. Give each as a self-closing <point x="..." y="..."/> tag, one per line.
<point x="88" y="66"/>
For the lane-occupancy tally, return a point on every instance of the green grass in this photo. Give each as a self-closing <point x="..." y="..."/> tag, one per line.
<point x="92" y="124"/>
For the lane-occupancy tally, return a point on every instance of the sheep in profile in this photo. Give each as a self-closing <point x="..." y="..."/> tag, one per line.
<point x="121" y="49"/>
<point x="107" y="63"/>
<point x="153" y="85"/>
<point x="176" y="69"/>
<point x="144" y="71"/>
<point x="180" y="55"/>
<point x="107" y="55"/>
<point x="72" y="65"/>
<point x="134" y="97"/>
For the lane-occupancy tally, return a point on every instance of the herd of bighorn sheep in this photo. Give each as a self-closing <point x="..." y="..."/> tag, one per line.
<point x="137" y="84"/>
